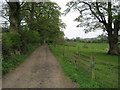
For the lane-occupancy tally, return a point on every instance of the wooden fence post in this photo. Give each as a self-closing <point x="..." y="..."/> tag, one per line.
<point x="56" y="46"/>
<point x="63" y="51"/>
<point x="67" y="50"/>
<point x="78" y="49"/>
<point x="92" y="67"/>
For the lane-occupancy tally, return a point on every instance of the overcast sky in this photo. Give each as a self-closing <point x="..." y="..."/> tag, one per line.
<point x="71" y="30"/>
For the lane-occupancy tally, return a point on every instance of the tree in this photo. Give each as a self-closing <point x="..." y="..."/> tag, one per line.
<point x="27" y="13"/>
<point x="100" y="15"/>
<point x="14" y="15"/>
<point x="44" y="18"/>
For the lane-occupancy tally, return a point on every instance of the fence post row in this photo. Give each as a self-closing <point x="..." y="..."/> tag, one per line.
<point x="92" y="66"/>
<point x="62" y="49"/>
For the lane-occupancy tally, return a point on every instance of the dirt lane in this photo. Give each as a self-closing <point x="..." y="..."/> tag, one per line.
<point x="40" y="70"/>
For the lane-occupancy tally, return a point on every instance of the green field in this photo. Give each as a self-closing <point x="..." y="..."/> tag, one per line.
<point x="106" y="66"/>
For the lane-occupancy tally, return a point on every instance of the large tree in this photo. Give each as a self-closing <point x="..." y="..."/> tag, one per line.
<point x="37" y="16"/>
<point x="14" y="15"/>
<point x="102" y="15"/>
<point x="44" y="18"/>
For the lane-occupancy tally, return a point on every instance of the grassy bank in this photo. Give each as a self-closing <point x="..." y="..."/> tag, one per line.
<point x="11" y="62"/>
<point x="106" y="66"/>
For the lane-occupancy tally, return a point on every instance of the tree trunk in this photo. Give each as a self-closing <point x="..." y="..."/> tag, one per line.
<point x="14" y="16"/>
<point x="113" y="46"/>
<point x="112" y="32"/>
<point x="113" y="41"/>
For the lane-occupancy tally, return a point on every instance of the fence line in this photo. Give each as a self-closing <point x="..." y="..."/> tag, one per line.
<point x="84" y="61"/>
<point x="88" y="61"/>
<point x="78" y="58"/>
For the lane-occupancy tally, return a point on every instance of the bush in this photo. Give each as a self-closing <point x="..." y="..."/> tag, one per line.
<point x="11" y="62"/>
<point x="11" y="42"/>
<point x="31" y="36"/>
<point x="35" y="37"/>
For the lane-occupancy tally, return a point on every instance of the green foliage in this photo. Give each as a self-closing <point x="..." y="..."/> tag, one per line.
<point x="41" y="23"/>
<point x="42" y="13"/>
<point x="31" y="36"/>
<point x="99" y="16"/>
<point x="94" y="10"/>
<point x="11" y="42"/>
<point x="11" y="62"/>
<point x="12" y="45"/>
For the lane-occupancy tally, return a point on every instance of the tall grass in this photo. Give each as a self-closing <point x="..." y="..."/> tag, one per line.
<point x="11" y="62"/>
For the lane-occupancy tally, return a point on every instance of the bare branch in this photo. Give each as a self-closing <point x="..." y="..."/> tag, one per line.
<point x="109" y="13"/>
<point x="7" y="2"/>
<point x="91" y="10"/>
<point x="100" y="13"/>
<point x="22" y="3"/>
<point x="7" y="19"/>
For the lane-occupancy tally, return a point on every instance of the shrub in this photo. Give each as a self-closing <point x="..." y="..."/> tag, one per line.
<point x="35" y="37"/>
<point x="31" y="36"/>
<point x="85" y="46"/>
<point x="10" y="43"/>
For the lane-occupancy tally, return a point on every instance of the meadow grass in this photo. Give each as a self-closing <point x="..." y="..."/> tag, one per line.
<point x="106" y="66"/>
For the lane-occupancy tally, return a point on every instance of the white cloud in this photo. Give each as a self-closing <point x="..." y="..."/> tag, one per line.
<point x="71" y="30"/>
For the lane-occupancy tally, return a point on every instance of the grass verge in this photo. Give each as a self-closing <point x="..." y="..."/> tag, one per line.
<point x="75" y="73"/>
<point x="11" y="62"/>
<point x="106" y="75"/>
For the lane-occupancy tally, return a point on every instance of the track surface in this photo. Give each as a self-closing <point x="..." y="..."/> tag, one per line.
<point x="40" y="70"/>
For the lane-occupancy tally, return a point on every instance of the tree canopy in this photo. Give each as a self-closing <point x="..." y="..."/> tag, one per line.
<point x="33" y="22"/>
<point x="99" y="15"/>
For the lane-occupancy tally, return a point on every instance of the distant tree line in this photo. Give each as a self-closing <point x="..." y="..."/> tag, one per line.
<point x="100" y="39"/>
